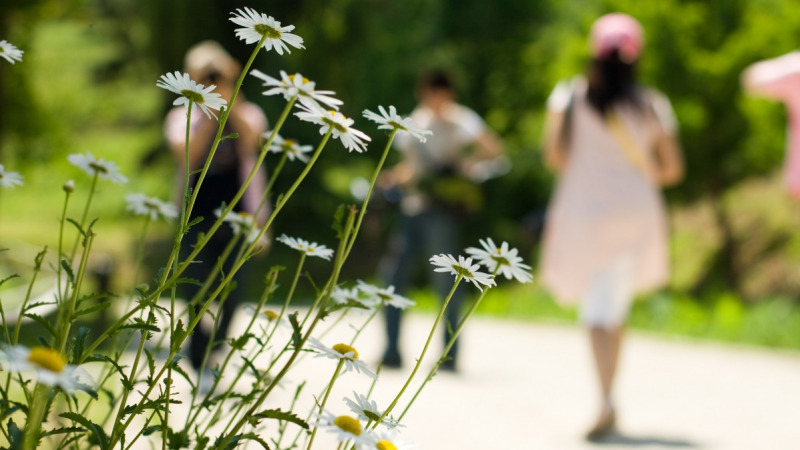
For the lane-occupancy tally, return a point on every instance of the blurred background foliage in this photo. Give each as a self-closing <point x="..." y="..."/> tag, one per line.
<point x="87" y="83"/>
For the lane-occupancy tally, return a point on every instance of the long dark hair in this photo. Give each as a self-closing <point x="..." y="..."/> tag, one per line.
<point x="612" y="81"/>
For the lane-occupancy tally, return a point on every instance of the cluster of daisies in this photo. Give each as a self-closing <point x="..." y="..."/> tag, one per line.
<point x="502" y="260"/>
<point x="316" y="106"/>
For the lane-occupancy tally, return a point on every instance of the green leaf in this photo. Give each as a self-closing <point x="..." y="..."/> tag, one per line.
<point x="77" y="225"/>
<point x="104" y="358"/>
<point x="254" y="437"/>
<point x="296" y="337"/>
<point x="100" y="437"/>
<point x="68" y="269"/>
<point x="10" y="277"/>
<point x="281" y="415"/>
<point x="37" y="261"/>
<point x="42" y="321"/>
<point x="78" y="342"/>
<point x="15" y="435"/>
<point x="338" y="219"/>
<point x="97" y="307"/>
<point x="178" y="337"/>
<point x="230" y="136"/>
<point x="240" y="342"/>
<point x="61" y="430"/>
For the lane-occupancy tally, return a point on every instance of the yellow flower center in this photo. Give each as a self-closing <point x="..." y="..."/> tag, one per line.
<point x="289" y="142"/>
<point x="269" y="32"/>
<point x="193" y="96"/>
<point x="345" y="349"/>
<point x="349" y="424"/>
<point x="385" y="445"/>
<point x="47" y="358"/>
<point x="297" y="75"/>
<point x="271" y="315"/>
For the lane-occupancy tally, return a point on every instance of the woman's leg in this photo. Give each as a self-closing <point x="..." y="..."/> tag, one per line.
<point x="605" y="309"/>
<point x="606" y="343"/>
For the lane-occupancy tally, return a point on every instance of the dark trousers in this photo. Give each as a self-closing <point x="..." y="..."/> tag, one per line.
<point x="203" y="265"/>
<point x="417" y="239"/>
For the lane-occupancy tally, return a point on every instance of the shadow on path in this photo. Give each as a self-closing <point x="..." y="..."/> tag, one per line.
<point x="617" y="438"/>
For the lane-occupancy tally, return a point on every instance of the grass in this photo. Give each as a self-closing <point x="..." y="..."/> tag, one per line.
<point x="771" y="323"/>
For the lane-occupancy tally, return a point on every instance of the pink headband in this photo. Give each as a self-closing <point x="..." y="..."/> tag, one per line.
<point x="617" y="31"/>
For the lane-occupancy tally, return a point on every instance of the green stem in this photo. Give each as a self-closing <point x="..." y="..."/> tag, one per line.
<point x="446" y="350"/>
<point x="422" y="355"/>
<point x="191" y="418"/>
<point x="30" y="439"/>
<point x="85" y="214"/>
<point x="325" y="399"/>
<point x="339" y="261"/>
<point x="271" y="183"/>
<point x="139" y="258"/>
<point x="70" y="310"/>
<point x="60" y="255"/>
<point x="375" y="174"/>
<point x="36" y="269"/>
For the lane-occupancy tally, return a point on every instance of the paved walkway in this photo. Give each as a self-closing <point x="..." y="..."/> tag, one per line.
<point x="530" y="386"/>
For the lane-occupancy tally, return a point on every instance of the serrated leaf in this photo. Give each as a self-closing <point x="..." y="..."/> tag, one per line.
<point x="78" y="342"/>
<point x="77" y="225"/>
<point x="62" y="430"/>
<point x="42" y="321"/>
<point x="240" y="342"/>
<point x="100" y="437"/>
<point x="104" y="358"/>
<point x="338" y="219"/>
<point x="15" y="435"/>
<point x="282" y="415"/>
<point x="254" y="437"/>
<point x="296" y="337"/>
<point x="68" y="270"/>
<point x="10" y="277"/>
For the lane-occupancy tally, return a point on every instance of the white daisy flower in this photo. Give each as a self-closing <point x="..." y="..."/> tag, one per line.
<point x="464" y="267"/>
<point x="351" y="138"/>
<point x="10" y="179"/>
<point x="344" y="296"/>
<point x="503" y="259"/>
<point x="342" y="352"/>
<point x="105" y="170"/>
<point x="192" y="92"/>
<point x="385" y="440"/>
<point x="393" y="121"/>
<point x="241" y="223"/>
<point x="367" y="410"/>
<point x="9" y="52"/>
<point x="345" y="427"/>
<point x="385" y="296"/>
<point x="291" y="147"/>
<point x="142" y="205"/>
<point x="309" y="248"/>
<point x="296" y="85"/>
<point x="256" y="25"/>
<point x="50" y="366"/>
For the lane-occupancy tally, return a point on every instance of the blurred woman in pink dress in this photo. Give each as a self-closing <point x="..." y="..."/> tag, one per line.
<point x="612" y="143"/>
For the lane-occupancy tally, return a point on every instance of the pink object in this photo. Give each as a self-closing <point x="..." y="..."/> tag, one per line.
<point x="617" y="31"/>
<point x="779" y="79"/>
